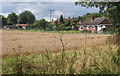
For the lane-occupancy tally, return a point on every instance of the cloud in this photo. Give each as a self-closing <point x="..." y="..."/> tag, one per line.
<point x="41" y="9"/>
<point x="48" y="18"/>
<point x="41" y="4"/>
<point x="39" y="0"/>
<point x="4" y="14"/>
<point x="58" y="13"/>
<point x="58" y="0"/>
<point x="28" y="9"/>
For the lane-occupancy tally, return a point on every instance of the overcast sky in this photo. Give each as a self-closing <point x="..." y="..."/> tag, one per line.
<point x="41" y="9"/>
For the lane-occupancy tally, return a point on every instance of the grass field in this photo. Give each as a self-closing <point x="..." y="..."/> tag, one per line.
<point x="37" y="42"/>
<point x="30" y="52"/>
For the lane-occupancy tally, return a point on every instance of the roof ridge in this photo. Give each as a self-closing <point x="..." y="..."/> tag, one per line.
<point x="96" y="21"/>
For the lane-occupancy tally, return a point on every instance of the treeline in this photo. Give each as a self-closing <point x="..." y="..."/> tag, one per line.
<point x="27" y="17"/>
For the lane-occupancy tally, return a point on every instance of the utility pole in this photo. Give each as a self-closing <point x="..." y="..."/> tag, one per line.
<point x="50" y="14"/>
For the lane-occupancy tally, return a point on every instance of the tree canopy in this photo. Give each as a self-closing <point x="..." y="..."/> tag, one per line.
<point x="12" y="18"/>
<point x="42" y="24"/>
<point x="26" y="17"/>
<point x="88" y="15"/>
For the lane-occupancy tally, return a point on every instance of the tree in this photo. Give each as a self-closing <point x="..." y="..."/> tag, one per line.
<point x="61" y="19"/>
<point x="26" y="17"/>
<point x="42" y="24"/>
<point x="88" y="15"/>
<point x="3" y="20"/>
<point x="79" y="18"/>
<point x="113" y="16"/>
<point x="12" y="18"/>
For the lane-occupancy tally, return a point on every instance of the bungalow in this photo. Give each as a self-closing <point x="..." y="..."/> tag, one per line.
<point x="24" y="26"/>
<point x="94" y="24"/>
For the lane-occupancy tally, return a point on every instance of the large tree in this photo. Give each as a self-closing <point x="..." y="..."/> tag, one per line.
<point x="88" y="15"/>
<point x="26" y="17"/>
<point x="12" y="18"/>
<point x="3" y="20"/>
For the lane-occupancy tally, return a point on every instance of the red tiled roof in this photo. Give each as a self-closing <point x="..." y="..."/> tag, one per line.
<point x="65" y="19"/>
<point x="96" y="21"/>
<point x="21" y="24"/>
<point x="54" y="21"/>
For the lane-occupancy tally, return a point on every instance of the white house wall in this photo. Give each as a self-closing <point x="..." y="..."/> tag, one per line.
<point x="99" y="27"/>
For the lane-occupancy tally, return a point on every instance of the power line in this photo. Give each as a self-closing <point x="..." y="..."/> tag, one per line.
<point x="50" y="14"/>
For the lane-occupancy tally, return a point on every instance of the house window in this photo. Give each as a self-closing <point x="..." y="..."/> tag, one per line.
<point x="93" y="27"/>
<point x="89" y="27"/>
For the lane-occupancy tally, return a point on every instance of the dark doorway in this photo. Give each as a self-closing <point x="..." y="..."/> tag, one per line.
<point x="96" y="28"/>
<point x="104" y="29"/>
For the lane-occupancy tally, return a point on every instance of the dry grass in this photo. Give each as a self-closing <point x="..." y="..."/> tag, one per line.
<point x="97" y="58"/>
<point x="93" y="60"/>
<point x="37" y="42"/>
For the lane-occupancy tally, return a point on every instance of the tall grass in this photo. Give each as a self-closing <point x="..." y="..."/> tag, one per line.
<point x="94" y="60"/>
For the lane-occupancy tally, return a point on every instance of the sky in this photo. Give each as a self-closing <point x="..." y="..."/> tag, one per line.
<point x="57" y="0"/>
<point x="41" y="9"/>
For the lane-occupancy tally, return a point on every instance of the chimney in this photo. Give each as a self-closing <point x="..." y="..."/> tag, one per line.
<point x="92" y="18"/>
<point x="52" y="20"/>
<point x="68" y="17"/>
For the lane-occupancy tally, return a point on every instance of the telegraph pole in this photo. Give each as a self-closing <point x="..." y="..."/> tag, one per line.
<point x="50" y="14"/>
